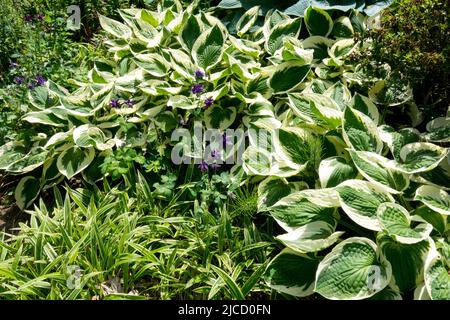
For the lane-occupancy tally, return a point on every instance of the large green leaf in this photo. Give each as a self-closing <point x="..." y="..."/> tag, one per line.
<point x="434" y="198"/>
<point x="297" y="146"/>
<point x="292" y="273"/>
<point x="360" y="132"/>
<point x="334" y="170"/>
<point x="407" y="261"/>
<point x="396" y="221"/>
<point x="74" y="159"/>
<point x="271" y="190"/>
<point x="87" y="135"/>
<point x="115" y="28"/>
<point x="219" y="117"/>
<point x="420" y="157"/>
<point x="289" y="28"/>
<point x="287" y="76"/>
<point x="437" y="277"/>
<point x="360" y="200"/>
<point x="379" y="170"/>
<point x="27" y="191"/>
<point x="352" y="271"/>
<point x="318" y="22"/>
<point x="296" y="210"/>
<point x="190" y="32"/>
<point x="208" y="48"/>
<point x="312" y="237"/>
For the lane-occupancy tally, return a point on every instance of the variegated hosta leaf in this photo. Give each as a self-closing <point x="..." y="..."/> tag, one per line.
<point x="333" y="171"/>
<point x="115" y="28"/>
<point x="434" y="198"/>
<point x="153" y="64"/>
<point x="41" y="98"/>
<point x="45" y="117"/>
<point x="437" y="220"/>
<point x="293" y="50"/>
<point x="396" y="140"/>
<point x="360" y="132"/>
<point x="258" y="161"/>
<point x="182" y="102"/>
<point x="342" y="28"/>
<point x="340" y="94"/>
<point x="287" y="28"/>
<point x="74" y="159"/>
<point x="438" y="130"/>
<point x="27" y="163"/>
<point x="208" y="48"/>
<point x="396" y="221"/>
<point x="287" y="76"/>
<point x="360" y="200"/>
<point x="312" y="237"/>
<point x="271" y="190"/>
<point x="10" y="153"/>
<point x="296" y="210"/>
<point x="297" y="146"/>
<point x="439" y="176"/>
<point x="340" y="50"/>
<point x="87" y="135"/>
<point x="407" y="261"/>
<point x="318" y="22"/>
<point x="353" y="271"/>
<point x="320" y="46"/>
<point x="292" y="273"/>
<point x="366" y="106"/>
<point x="437" y="277"/>
<point x="379" y="170"/>
<point x="191" y="31"/>
<point x="219" y="118"/>
<point x="247" y="20"/>
<point x="27" y="191"/>
<point x="420" y="157"/>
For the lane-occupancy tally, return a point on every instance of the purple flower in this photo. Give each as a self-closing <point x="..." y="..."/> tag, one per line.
<point x="19" y="80"/>
<point x="215" y="154"/>
<point x="209" y="102"/>
<point x="203" y="166"/>
<point x="31" y="85"/>
<point x="28" y="18"/>
<point x="13" y="64"/>
<point x="114" y="103"/>
<point x="215" y="166"/>
<point x="199" y="74"/>
<point x="129" y="102"/>
<point x="40" y="80"/>
<point x="39" y="16"/>
<point x="197" y="88"/>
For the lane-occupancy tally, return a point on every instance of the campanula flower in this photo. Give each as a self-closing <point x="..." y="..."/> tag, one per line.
<point x="129" y="102"/>
<point x="19" y="80"/>
<point x="209" y="102"/>
<point x="40" y="80"/>
<point x="114" y="103"/>
<point x="197" y="88"/>
<point x="199" y="74"/>
<point x="215" y="154"/>
<point x="31" y="85"/>
<point x="203" y="166"/>
<point x="28" y="18"/>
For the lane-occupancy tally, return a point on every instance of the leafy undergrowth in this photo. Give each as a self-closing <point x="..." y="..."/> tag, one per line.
<point x="358" y="201"/>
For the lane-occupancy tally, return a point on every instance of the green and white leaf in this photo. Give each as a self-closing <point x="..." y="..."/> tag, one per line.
<point x="27" y="191"/>
<point x="379" y="170"/>
<point x="434" y="198"/>
<point x="334" y="170"/>
<point x="115" y="28"/>
<point x="420" y="157"/>
<point x="287" y="76"/>
<point x="360" y="200"/>
<point x="360" y="132"/>
<point x="292" y="273"/>
<point x="312" y="237"/>
<point x="208" y="48"/>
<point x="318" y="22"/>
<point x="74" y="159"/>
<point x="352" y="271"/>
<point x="396" y="221"/>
